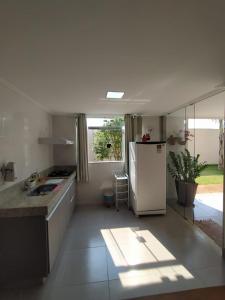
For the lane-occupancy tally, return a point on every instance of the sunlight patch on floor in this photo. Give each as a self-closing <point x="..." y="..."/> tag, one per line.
<point x="131" y="247"/>
<point x="155" y="276"/>
<point x="137" y="253"/>
<point x="155" y="247"/>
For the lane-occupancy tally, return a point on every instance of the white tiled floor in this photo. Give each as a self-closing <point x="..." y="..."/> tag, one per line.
<point x="114" y="255"/>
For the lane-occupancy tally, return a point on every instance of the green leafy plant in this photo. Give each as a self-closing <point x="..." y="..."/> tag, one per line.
<point x="181" y="138"/>
<point x="108" y="141"/>
<point x="185" y="167"/>
<point x="100" y="145"/>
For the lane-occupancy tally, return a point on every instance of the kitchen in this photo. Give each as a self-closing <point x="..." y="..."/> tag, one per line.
<point x="30" y="135"/>
<point x="35" y="209"/>
<point x="124" y="66"/>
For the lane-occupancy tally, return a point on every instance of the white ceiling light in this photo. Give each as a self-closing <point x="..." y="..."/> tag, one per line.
<point x="114" y="95"/>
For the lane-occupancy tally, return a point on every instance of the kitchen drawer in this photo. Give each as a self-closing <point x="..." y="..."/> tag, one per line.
<point x="57" y="222"/>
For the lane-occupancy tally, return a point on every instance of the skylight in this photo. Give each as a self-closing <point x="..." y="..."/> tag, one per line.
<point x="114" y="95"/>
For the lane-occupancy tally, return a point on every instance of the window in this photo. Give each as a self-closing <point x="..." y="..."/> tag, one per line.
<point x="203" y="124"/>
<point x="105" y="139"/>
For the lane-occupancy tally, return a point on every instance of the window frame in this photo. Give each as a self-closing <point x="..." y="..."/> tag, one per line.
<point x="107" y="128"/>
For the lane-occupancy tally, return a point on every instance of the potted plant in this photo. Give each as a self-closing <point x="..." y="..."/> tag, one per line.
<point x="185" y="168"/>
<point x="171" y="140"/>
<point x="181" y="138"/>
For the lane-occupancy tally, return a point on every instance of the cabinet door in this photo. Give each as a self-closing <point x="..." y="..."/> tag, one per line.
<point x="71" y="199"/>
<point x="23" y="243"/>
<point x="57" y="222"/>
<point x="68" y="207"/>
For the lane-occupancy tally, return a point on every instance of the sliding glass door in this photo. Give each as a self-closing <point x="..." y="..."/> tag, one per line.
<point x="198" y="130"/>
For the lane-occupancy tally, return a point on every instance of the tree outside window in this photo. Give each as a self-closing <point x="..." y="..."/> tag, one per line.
<point x="106" y="141"/>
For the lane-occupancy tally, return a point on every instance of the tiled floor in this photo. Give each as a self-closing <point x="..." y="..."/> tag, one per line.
<point x="114" y="255"/>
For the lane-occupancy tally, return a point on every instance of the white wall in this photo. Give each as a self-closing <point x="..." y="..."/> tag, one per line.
<point x="151" y="123"/>
<point x="64" y="126"/>
<point x="101" y="173"/>
<point x="101" y="177"/>
<point x="21" y="123"/>
<point x="206" y="144"/>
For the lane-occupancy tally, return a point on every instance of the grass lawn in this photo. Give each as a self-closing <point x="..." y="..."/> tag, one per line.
<point x="211" y="175"/>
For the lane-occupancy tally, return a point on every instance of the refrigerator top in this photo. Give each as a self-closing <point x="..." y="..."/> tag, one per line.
<point x="151" y="143"/>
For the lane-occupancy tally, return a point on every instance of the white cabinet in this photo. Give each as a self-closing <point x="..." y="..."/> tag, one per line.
<point x="58" y="220"/>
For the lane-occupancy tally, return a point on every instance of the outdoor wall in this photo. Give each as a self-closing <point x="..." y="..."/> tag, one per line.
<point x="206" y="144"/>
<point x="64" y="126"/>
<point x="22" y="122"/>
<point x="101" y="177"/>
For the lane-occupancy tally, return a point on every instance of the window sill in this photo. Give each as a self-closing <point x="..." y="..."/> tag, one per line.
<point x="106" y="161"/>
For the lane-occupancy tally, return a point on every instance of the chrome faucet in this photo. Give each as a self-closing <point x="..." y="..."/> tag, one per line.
<point x="31" y="181"/>
<point x="35" y="176"/>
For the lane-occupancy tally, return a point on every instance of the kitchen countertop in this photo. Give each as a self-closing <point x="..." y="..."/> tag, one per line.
<point x="19" y="204"/>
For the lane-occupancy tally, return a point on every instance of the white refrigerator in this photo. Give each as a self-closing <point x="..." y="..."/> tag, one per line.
<point x="147" y="173"/>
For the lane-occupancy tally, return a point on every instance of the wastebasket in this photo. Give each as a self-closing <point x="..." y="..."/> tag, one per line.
<point x="108" y="198"/>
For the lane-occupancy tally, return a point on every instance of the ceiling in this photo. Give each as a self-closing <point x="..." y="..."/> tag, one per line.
<point x="210" y="108"/>
<point x="65" y="55"/>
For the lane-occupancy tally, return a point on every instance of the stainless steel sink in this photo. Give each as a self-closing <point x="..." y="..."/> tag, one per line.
<point x="42" y="189"/>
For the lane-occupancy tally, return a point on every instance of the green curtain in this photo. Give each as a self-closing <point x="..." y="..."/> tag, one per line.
<point x="81" y="148"/>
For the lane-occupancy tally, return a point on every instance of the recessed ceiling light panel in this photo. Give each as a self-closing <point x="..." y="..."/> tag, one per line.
<point x="114" y="95"/>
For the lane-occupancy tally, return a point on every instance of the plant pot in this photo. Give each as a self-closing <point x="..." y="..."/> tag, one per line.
<point x="180" y="141"/>
<point x="186" y="192"/>
<point x="177" y="187"/>
<point x="171" y="140"/>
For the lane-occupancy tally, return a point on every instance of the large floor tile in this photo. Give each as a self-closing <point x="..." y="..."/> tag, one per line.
<point x="10" y="294"/>
<point x="149" y="285"/>
<point x="119" y="267"/>
<point x="213" y="276"/>
<point x="83" y="266"/>
<point x="200" y="258"/>
<point x="118" y="272"/>
<point x="122" y="218"/>
<point x="35" y="293"/>
<point x="93" y="291"/>
<point x="88" y="217"/>
<point x="86" y="237"/>
<point x="137" y="257"/>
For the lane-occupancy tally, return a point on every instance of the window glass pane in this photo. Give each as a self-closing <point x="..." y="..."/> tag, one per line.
<point x="105" y="139"/>
<point x="203" y="124"/>
<point x="92" y="122"/>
